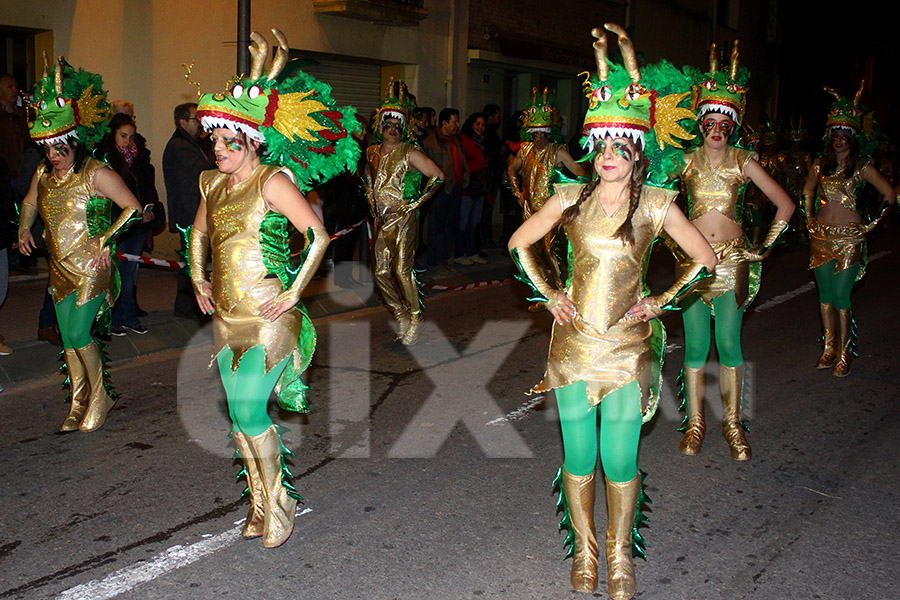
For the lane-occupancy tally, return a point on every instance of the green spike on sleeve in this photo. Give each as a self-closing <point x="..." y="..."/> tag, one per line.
<point x="685" y="289"/>
<point x="524" y="278"/>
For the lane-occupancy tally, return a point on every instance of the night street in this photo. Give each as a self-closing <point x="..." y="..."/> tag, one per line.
<point x="426" y="471"/>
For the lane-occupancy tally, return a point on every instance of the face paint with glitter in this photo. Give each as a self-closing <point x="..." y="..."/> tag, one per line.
<point x="619" y="147"/>
<point x="235" y="144"/>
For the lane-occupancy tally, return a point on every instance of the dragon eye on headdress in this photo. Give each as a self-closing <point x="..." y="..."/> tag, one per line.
<point x="237" y="91"/>
<point x="603" y="93"/>
<point x="734" y="88"/>
<point x="60" y="102"/>
<point x="254" y="92"/>
<point x="42" y="105"/>
<point x="711" y="85"/>
<point x="635" y="91"/>
<point x="546" y="109"/>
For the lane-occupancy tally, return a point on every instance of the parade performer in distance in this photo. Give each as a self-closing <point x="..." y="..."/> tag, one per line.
<point x="713" y="179"/>
<point x="393" y="178"/>
<point x="837" y="245"/>
<point x="541" y="152"/>
<point x="607" y="346"/>
<point x="74" y="195"/>
<point x="797" y="163"/>
<point x="273" y="133"/>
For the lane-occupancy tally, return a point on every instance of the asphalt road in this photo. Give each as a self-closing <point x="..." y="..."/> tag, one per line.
<point x="426" y="473"/>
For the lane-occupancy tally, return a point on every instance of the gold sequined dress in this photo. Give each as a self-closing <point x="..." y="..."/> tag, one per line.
<point x="249" y="250"/>
<point x="537" y="168"/>
<point x="720" y="189"/>
<point x="75" y="218"/>
<point x="600" y="346"/>
<point x="844" y="244"/>
<point x="396" y="234"/>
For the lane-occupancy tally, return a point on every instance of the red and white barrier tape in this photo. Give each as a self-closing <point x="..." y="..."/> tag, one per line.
<point x="347" y="230"/>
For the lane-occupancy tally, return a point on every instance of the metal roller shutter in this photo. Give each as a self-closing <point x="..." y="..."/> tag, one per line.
<point x="354" y="83"/>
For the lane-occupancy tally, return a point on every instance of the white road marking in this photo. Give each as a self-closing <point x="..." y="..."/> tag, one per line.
<point x="780" y="299"/>
<point x="519" y="413"/>
<point x="141" y="572"/>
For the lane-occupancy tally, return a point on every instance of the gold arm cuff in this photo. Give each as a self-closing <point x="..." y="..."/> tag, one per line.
<point x="670" y="299"/>
<point x="27" y="218"/>
<point x="198" y="243"/>
<point x="529" y="265"/>
<point x="808" y="202"/>
<point x="119" y="226"/>
<point x="777" y="228"/>
<point x="319" y="243"/>
<point x="874" y="223"/>
<point x="430" y="188"/>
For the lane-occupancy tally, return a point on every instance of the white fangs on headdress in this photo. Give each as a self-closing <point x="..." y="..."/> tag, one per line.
<point x="210" y="122"/>
<point x="722" y="109"/>
<point x="539" y="130"/>
<point x="391" y="114"/>
<point x="63" y="138"/>
<point x="596" y="134"/>
<point x="842" y="128"/>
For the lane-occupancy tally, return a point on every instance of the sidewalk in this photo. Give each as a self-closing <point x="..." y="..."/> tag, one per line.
<point x="156" y="295"/>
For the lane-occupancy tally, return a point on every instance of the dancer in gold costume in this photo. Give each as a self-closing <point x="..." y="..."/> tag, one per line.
<point x="713" y="178"/>
<point x="607" y="345"/>
<point x="836" y="229"/>
<point x="270" y="135"/>
<point x="74" y="195"/>
<point x="542" y="151"/>
<point x="393" y="175"/>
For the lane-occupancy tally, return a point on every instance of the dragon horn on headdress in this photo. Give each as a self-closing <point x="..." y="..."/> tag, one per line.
<point x="735" y="66"/>
<point x="259" y="50"/>
<point x="858" y="96"/>
<point x="58" y="76"/>
<point x="600" y="54"/>
<point x="627" y="49"/>
<point x="282" y="53"/>
<point x="713" y="59"/>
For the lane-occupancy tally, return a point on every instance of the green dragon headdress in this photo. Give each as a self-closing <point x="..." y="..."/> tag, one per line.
<point x="69" y="105"/>
<point x="846" y="115"/>
<point x="295" y="117"/>
<point x="623" y="102"/>
<point x="719" y="92"/>
<point x="797" y="131"/>
<point x="397" y="105"/>
<point x="541" y="115"/>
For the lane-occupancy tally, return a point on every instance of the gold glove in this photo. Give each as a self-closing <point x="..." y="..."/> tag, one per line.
<point x="777" y="228"/>
<point x="514" y="186"/>
<point x="669" y="299"/>
<point x="874" y="223"/>
<point x="318" y="243"/>
<point x="129" y="214"/>
<point x="27" y="218"/>
<point x="198" y="241"/>
<point x="533" y="276"/>
<point x="808" y="201"/>
<point x="430" y="188"/>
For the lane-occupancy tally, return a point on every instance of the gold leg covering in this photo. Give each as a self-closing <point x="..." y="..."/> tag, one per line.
<point x="253" y="526"/>
<point x="829" y="325"/>
<point x="78" y="385"/>
<point x="278" y="522"/>
<point x="412" y="334"/>
<point x="580" y="494"/>
<point x="394" y="250"/>
<point x="99" y="402"/>
<point x="694" y="391"/>
<point x="845" y="344"/>
<point x="621" y="504"/>
<point x="402" y="316"/>
<point x="731" y="382"/>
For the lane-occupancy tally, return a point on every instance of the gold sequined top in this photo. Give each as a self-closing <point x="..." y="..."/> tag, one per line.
<point x="233" y="218"/>
<point x="388" y="172"/>
<point x="716" y="188"/>
<point x="75" y="218"/>
<point x="843" y="190"/>
<point x="537" y="167"/>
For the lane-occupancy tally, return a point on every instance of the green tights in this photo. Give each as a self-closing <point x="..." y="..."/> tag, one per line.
<point x="834" y="288"/>
<point x="75" y="321"/>
<point x="248" y="388"/>
<point x="620" y="430"/>
<point x="697" y="318"/>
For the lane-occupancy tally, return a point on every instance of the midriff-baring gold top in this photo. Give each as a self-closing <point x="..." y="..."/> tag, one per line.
<point x="600" y="346"/>
<point x="718" y="188"/>
<point x="843" y="190"/>
<point x="75" y="218"/>
<point x="537" y="167"/>
<point x="387" y="181"/>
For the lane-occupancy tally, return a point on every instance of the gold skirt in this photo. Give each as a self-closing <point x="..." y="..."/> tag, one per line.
<point x="732" y="273"/>
<point x="844" y="244"/>
<point x="242" y="328"/>
<point x="74" y="273"/>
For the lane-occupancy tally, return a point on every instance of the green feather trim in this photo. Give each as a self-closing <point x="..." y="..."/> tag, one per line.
<point x="524" y="278"/>
<point x="412" y="184"/>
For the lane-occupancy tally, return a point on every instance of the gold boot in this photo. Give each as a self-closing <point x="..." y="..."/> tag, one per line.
<point x="403" y="319"/>
<point x="278" y="522"/>
<point x="78" y="386"/>
<point x="253" y="526"/>
<point x="731" y="382"/>
<point x="580" y="493"/>
<point x="99" y="402"/>
<point x="845" y="343"/>
<point x="621" y="504"/>
<point x="694" y="390"/>
<point x="412" y="334"/>
<point x="829" y="325"/>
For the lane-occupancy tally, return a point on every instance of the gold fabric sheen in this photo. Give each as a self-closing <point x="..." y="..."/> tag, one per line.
<point x="239" y="283"/>
<point x="600" y="345"/>
<point x="62" y="203"/>
<point x="716" y="188"/>
<point x="732" y="273"/>
<point x="537" y="167"/>
<point x="843" y="190"/>
<point x="396" y="233"/>
<point x="843" y="244"/>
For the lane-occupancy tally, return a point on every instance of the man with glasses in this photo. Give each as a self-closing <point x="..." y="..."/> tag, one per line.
<point x="393" y="176"/>
<point x="183" y="160"/>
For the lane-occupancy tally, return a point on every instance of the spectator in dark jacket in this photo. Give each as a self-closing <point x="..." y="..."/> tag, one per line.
<point x="184" y="159"/>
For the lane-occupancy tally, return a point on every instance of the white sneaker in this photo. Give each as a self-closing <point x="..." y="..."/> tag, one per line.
<point x="463" y="260"/>
<point x="479" y="260"/>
